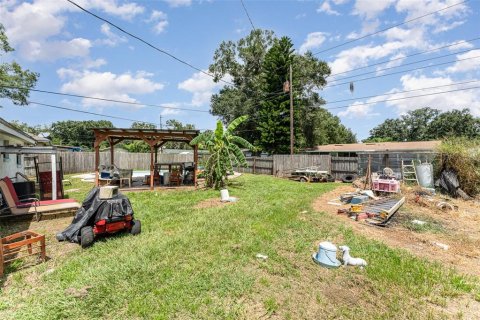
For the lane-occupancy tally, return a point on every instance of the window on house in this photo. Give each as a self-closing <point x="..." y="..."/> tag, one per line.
<point x="6" y="156"/>
<point x="19" y="159"/>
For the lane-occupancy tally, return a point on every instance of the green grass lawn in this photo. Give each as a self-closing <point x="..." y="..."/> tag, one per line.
<point x="199" y="263"/>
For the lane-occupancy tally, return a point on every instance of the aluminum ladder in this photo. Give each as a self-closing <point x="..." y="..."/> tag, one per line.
<point x="409" y="173"/>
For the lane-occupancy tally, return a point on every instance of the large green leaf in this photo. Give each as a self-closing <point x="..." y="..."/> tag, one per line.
<point x="242" y="142"/>
<point x="239" y="156"/>
<point x="219" y="131"/>
<point x="235" y="123"/>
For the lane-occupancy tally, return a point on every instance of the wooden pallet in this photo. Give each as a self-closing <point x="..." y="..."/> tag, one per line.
<point x="21" y="245"/>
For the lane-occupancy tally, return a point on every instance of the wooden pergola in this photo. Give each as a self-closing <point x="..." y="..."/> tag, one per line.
<point x="153" y="137"/>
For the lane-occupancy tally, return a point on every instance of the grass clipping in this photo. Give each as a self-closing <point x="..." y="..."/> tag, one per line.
<point x="463" y="157"/>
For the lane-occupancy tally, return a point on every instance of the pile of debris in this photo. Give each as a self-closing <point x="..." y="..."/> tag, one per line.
<point x="364" y="205"/>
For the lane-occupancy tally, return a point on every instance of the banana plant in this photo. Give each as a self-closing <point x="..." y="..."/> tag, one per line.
<point x="225" y="152"/>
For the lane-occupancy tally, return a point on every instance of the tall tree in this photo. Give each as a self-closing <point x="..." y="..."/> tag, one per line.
<point x="427" y="124"/>
<point x="258" y="66"/>
<point x="15" y="83"/>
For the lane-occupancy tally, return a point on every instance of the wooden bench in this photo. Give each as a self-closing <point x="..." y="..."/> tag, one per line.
<point x="21" y="245"/>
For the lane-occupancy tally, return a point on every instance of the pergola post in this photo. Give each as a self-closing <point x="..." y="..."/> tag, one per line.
<point x="97" y="163"/>
<point x="195" y="165"/>
<point x="152" y="167"/>
<point x="112" y="152"/>
<point x="156" y="153"/>
<point x="54" y="176"/>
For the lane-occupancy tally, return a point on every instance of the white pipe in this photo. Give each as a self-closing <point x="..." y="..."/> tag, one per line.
<point x="54" y="176"/>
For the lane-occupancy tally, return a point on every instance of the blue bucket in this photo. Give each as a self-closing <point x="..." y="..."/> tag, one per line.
<point x="326" y="255"/>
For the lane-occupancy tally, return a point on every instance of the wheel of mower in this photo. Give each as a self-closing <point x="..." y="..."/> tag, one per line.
<point x="136" y="228"/>
<point x="86" y="236"/>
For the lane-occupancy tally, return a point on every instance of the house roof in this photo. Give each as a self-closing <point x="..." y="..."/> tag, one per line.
<point x="379" y="147"/>
<point x="11" y="130"/>
<point x="38" y="138"/>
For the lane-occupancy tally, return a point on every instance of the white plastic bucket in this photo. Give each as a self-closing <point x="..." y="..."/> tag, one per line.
<point x="224" y="196"/>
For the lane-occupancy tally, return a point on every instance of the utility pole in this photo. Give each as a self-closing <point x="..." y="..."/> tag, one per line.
<point x="291" y="111"/>
<point x="161" y="126"/>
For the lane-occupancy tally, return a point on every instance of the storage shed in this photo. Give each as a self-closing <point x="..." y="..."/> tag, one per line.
<point x="382" y="154"/>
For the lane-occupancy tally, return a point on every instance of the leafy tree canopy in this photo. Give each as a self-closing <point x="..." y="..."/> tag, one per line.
<point x="76" y="133"/>
<point x="259" y="66"/>
<point x="427" y="124"/>
<point x="15" y="82"/>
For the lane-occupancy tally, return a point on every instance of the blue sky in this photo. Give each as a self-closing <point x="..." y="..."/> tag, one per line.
<point x="78" y="54"/>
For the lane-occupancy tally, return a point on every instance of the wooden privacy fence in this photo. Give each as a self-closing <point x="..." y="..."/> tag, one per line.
<point x="284" y="164"/>
<point x="78" y="162"/>
<point x="279" y="165"/>
<point x="257" y="165"/>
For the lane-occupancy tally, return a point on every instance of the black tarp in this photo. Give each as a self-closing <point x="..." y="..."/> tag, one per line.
<point x="449" y="182"/>
<point x="94" y="209"/>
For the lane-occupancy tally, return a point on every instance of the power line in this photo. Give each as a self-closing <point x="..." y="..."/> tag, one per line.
<point x="405" y="64"/>
<point x="146" y="42"/>
<point x="86" y="112"/>
<point x="403" y="98"/>
<point x="389" y="74"/>
<point x="104" y="99"/>
<point x="383" y="30"/>
<point x="404" y="57"/>
<point x="246" y="12"/>
<point x="405" y="91"/>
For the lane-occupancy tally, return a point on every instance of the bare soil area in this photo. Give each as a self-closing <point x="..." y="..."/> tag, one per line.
<point x="459" y="229"/>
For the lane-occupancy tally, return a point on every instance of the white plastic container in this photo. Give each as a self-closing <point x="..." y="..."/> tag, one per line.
<point x="166" y="178"/>
<point x="224" y="196"/>
<point x="425" y="175"/>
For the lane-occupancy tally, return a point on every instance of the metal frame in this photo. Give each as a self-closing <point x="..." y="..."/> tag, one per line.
<point x="153" y="137"/>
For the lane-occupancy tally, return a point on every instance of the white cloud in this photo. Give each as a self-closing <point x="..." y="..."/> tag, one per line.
<point x="127" y="10"/>
<point x="37" y="28"/>
<point x="107" y="85"/>
<point x="458" y="46"/>
<point x="447" y="26"/>
<point x="92" y="64"/>
<point x="179" y="3"/>
<point x="169" y="111"/>
<point x="327" y="8"/>
<point x="444" y="102"/>
<point x="201" y="86"/>
<point x="367" y="28"/>
<point x="370" y="9"/>
<point x="112" y="39"/>
<point x="159" y="19"/>
<point x="361" y="55"/>
<point x="358" y="110"/>
<point x="314" y="40"/>
<point x="395" y="61"/>
<point x="415" y="9"/>
<point x="470" y="65"/>
<point x="53" y="50"/>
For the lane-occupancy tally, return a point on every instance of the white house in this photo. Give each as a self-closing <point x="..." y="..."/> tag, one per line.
<point x="10" y="136"/>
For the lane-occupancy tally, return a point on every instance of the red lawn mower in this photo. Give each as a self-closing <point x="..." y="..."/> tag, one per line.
<point x="109" y="226"/>
<point x="101" y="215"/>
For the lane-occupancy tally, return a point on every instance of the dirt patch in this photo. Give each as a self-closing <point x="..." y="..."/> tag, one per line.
<point x="211" y="203"/>
<point x="458" y="229"/>
<point x="54" y="249"/>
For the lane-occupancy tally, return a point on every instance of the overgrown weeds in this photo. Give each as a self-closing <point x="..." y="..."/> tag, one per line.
<point x="463" y="157"/>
